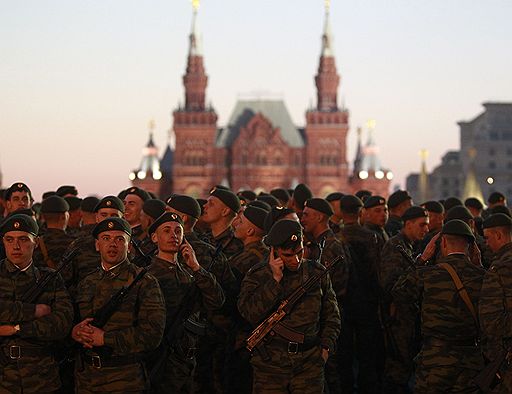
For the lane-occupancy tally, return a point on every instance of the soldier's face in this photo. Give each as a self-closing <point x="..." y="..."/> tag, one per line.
<point x="18" y="200"/>
<point x="113" y="246"/>
<point x="105" y="213"/>
<point x="435" y="220"/>
<point x="242" y="226"/>
<point x="377" y="215"/>
<point x="132" y="208"/>
<point x="418" y="228"/>
<point x="213" y="210"/>
<point x="310" y="219"/>
<point x="292" y="258"/>
<point x="493" y="239"/>
<point x="19" y="247"/>
<point x="168" y="236"/>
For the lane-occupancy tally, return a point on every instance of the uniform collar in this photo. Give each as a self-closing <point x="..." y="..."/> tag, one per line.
<point x="11" y="267"/>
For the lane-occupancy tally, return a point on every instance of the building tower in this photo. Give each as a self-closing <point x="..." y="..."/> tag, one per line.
<point x="423" y="178"/>
<point x="195" y="126"/>
<point x="326" y="125"/>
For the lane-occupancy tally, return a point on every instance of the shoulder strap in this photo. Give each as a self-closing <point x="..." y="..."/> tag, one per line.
<point x="44" y="251"/>
<point x="461" y="290"/>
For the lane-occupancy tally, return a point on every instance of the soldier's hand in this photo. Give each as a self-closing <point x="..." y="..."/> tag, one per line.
<point x="325" y="354"/>
<point x="97" y="336"/>
<point x="276" y="265"/>
<point x="82" y="332"/>
<point x="7" y="330"/>
<point x="189" y="255"/>
<point x="430" y="249"/>
<point x="42" y="310"/>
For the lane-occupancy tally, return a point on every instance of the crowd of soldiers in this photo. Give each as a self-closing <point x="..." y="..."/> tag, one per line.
<point x="345" y="294"/>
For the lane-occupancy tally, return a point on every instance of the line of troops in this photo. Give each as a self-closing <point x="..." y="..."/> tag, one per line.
<point x="421" y="302"/>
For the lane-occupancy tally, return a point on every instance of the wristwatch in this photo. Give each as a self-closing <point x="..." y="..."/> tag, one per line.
<point x="16" y="329"/>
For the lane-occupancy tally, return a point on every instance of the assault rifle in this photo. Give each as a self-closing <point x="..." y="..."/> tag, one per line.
<point x="142" y="259"/>
<point x="406" y="256"/>
<point x="286" y="306"/>
<point x="490" y="376"/>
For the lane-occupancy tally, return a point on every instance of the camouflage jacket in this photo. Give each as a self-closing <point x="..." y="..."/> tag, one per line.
<point x="85" y="230"/>
<point x="495" y="305"/>
<point x="230" y="245"/>
<point x="335" y="227"/>
<point x="393" y="264"/>
<point x="32" y="373"/>
<point x="135" y="328"/>
<point x="87" y="261"/>
<point x="252" y="254"/>
<point x="393" y="225"/>
<point x="382" y="236"/>
<point x="316" y="314"/>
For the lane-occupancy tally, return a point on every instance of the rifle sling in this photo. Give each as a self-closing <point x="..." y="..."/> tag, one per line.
<point x="461" y="290"/>
<point x="46" y="257"/>
<point x="288" y="333"/>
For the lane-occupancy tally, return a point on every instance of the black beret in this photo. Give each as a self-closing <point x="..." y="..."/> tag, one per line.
<point x="141" y="193"/>
<point x="19" y="222"/>
<point x="473" y="202"/>
<point x="497" y="220"/>
<point x="201" y="202"/>
<point x="433" y="206"/>
<point x="222" y="187"/>
<point x="185" y="204"/>
<point x="334" y="196"/>
<point x="247" y="195"/>
<point x="66" y="189"/>
<point x="269" y="199"/>
<point x="227" y="197"/>
<point x="451" y="202"/>
<point x="495" y="197"/>
<point x="398" y="197"/>
<point x="500" y="209"/>
<point x="280" y="194"/>
<point x="301" y="194"/>
<point x="414" y="212"/>
<point x="256" y="216"/>
<point x="320" y="205"/>
<point x="110" y="202"/>
<point x="89" y="203"/>
<point x="111" y="224"/>
<point x="363" y="194"/>
<point x="350" y="203"/>
<point x="458" y="227"/>
<point x="290" y="192"/>
<point x="17" y="187"/>
<point x="27" y="211"/>
<point x="282" y="232"/>
<point x="2" y="194"/>
<point x="275" y="214"/>
<point x="153" y="207"/>
<point x="374" y="201"/>
<point x="73" y="202"/>
<point x="48" y="194"/>
<point x="458" y="212"/>
<point x="165" y="218"/>
<point x="259" y="204"/>
<point x="54" y="204"/>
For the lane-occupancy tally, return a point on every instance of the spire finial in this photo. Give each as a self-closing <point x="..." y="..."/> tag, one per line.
<point x="371" y="123"/>
<point x="151" y="126"/>
<point x="327" y="5"/>
<point x="195" y="4"/>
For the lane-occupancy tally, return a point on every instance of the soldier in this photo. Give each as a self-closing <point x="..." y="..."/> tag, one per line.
<point x="282" y="195"/>
<point x="495" y="199"/>
<point x="476" y="208"/>
<point x="18" y="196"/>
<point x="75" y="215"/>
<point x="177" y="281"/>
<point x="375" y="217"/>
<point x="111" y="360"/>
<point x="88" y="215"/>
<point x="66" y="191"/>
<point x="448" y="294"/>
<point x="361" y="336"/>
<point x="290" y="366"/>
<point x="151" y="210"/>
<point x="279" y="213"/>
<point x="335" y="220"/>
<point x="435" y="212"/>
<point x="301" y="194"/>
<point x="398" y="203"/>
<point x="28" y="329"/>
<point x="398" y="369"/>
<point x="495" y="306"/>
<point x="133" y="199"/>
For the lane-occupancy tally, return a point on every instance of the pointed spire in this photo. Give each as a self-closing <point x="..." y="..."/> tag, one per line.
<point x="371" y="127"/>
<point x="471" y="186"/>
<point x="195" y="48"/>
<point x="151" y="128"/>
<point x="327" y="50"/>
<point x="423" y="180"/>
<point x="359" y="150"/>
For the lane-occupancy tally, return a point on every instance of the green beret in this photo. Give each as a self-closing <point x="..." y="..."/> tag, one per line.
<point x="112" y="224"/>
<point x="414" y="212"/>
<point x="458" y="212"/>
<point x="320" y="205"/>
<point x="73" y="202"/>
<point x="451" y="202"/>
<point x="374" y="201"/>
<point x="166" y="217"/>
<point x="473" y="202"/>
<point x="363" y="194"/>
<point x="274" y="215"/>
<point x="269" y="199"/>
<point x="54" y="204"/>
<point x="256" y="216"/>
<point x="110" y="202"/>
<point x="185" y="204"/>
<point x="500" y="209"/>
<point x="497" y="220"/>
<point x="280" y="194"/>
<point x="153" y="207"/>
<point x="458" y="227"/>
<point x="227" y="197"/>
<point x="247" y="195"/>
<point x="17" y="187"/>
<point x="48" y="194"/>
<point x="495" y="197"/>
<point x="284" y="232"/>
<point x="259" y="204"/>
<point x="398" y="197"/>
<point x="301" y="194"/>
<point x="19" y="222"/>
<point x="433" y="206"/>
<point x="66" y="189"/>
<point x="222" y="187"/>
<point x="89" y="203"/>
<point x="142" y="194"/>
<point x="201" y="202"/>
<point x="350" y="203"/>
<point x="336" y="196"/>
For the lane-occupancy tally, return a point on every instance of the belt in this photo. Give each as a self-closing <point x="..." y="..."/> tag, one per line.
<point x="295" y="347"/>
<point x="431" y="341"/>
<point x="16" y="352"/>
<point x="99" y="362"/>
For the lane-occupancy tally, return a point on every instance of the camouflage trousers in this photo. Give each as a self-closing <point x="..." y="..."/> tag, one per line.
<point x="177" y="375"/>
<point x="301" y="373"/>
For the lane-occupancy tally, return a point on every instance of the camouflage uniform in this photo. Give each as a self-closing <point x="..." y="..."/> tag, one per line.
<point x="136" y="327"/>
<point x="85" y="230"/>
<point x="316" y="315"/>
<point x="393" y="225"/>
<point x="382" y="236"/>
<point x="176" y="282"/>
<point x="86" y="262"/>
<point x="449" y="358"/>
<point x="398" y="370"/>
<point x="251" y="255"/>
<point x="495" y="310"/>
<point x="36" y="371"/>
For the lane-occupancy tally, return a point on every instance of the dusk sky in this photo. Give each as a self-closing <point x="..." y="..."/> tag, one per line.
<point x="80" y="80"/>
